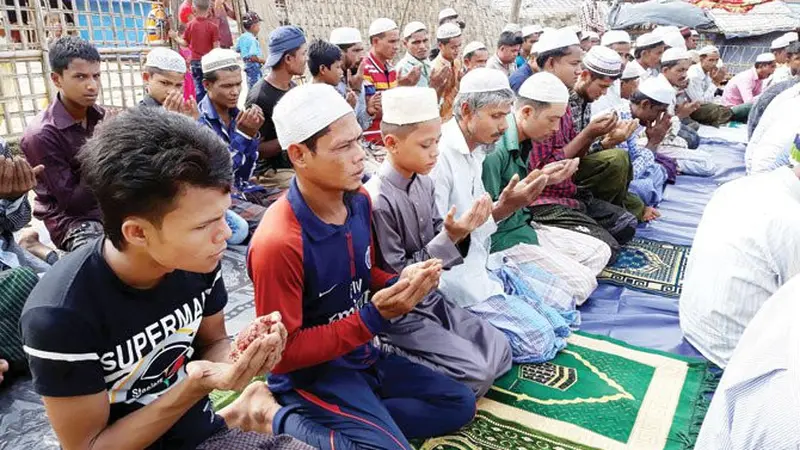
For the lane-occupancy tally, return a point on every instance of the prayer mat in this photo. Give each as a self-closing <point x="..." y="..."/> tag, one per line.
<point x="598" y="393"/>
<point x="650" y="266"/>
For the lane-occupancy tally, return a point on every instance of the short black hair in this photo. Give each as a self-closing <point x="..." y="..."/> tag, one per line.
<point x="282" y="61"/>
<point x="322" y="54"/>
<point x="202" y="5"/>
<point x="542" y="58"/>
<point x="509" y="39"/>
<point x="213" y="76"/>
<point x="68" y="48"/>
<point x="311" y="142"/>
<point x="401" y="131"/>
<point x="762" y="64"/>
<point x="472" y="53"/>
<point x="669" y="64"/>
<point x="345" y="47"/>
<point x="793" y="48"/>
<point x="599" y="76"/>
<point x="137" y="163"/>
<point x="637" y="52"/>
<point x="445" y="41"/>
<point x="637" y="98"/>
<point x="537" y="105"/>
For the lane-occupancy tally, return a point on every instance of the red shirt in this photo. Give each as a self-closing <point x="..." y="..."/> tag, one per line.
<point x="377" y="78"/>
<point x="185" y="11"/>
<point x="201" y="34"/>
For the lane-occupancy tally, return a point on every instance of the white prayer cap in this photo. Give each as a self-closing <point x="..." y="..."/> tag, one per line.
<point x="556" y="39"/>
<point x="473" y="47"/>
<point x="615" y="37"/>
<point x="544" y="87"/>
<point x="603" y="61"/>
<point x="658" y="89"/>
<point x="648" y="39"/>
<point x="674" y="40"/>
<point x="694" y="32"/>
<point x="406" y="105"/>
<point x="220" y="58"/>
<point x="531" y="29"/>
<point x="448" y="31"/>
<point x="412" y="28"/>
<point x="345" y="36"/>
<point x="447" y="13"/>
<point x="708" y="50"/>
<point x="632" y="71"/>
<point x="664" y="30"/>
<point x="305" y="110"/>
<point x="165" y="59"/>
<point x="547" y="29"/>
<point x="483" y="79"/>
<point x="792" y="36"/>
<point x="675" y="54"/>
<point x="590" y="35"/>
<point x="765" y="58"/>
<point x="512" y="27"/>
<point x="781" y="42"/>
<point x="381" y="25"/>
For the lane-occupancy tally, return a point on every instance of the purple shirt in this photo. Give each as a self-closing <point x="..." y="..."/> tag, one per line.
<point x="53" y="139"/>
<point x="742" y="88"/>
<point x="225" y="36"/>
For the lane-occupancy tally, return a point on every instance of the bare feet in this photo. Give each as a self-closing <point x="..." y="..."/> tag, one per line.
<point x="3" y="368"/>
<point x="29" y="240"/>
<point x="650" y="214"/>
<point x="253" y="410"/>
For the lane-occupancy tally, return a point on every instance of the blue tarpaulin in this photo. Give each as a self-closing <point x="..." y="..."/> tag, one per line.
<point x="658" y="12"/>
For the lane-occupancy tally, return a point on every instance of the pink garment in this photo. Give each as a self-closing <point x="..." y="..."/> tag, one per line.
<point x="188" y="81"/>
<point x="743" y="88"/>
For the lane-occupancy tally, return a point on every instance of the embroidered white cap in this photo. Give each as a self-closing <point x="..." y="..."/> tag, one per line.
<point x="305" y="110"/>
<point x="406" y="105"/>
<point x="165" y="59"/>
<point x="448" y="31"/>
<point x="603" y="61"/>
<point x="694" y="32"/>
<point x="552" y="40"/>
<point x="648" y="39"/>
<point x="658" y="89"/>
<point x="447" y="13"/>
<point x="412" y="28"/>
<point x="674" y="40"/>
<point x="792" y="36"/>
<point x="483" y="79"/>
<point x="220" y="58"/>
<point x="615" y="37"/>
<point x="345" y="36"/>
<point x="512" y="27"/>
<point x="381" y="25"/>
<point x="473" y="47"/>
<point x="632" y="71"/>
<point x="544" y="87"/>
<point x="531" y="29"/>
<point x="765" y="58"/>
<point x="675" y="54"/>
<point x="781" y="42"/>
<point x="708" y="50"/>
<point x="662" y="30"/>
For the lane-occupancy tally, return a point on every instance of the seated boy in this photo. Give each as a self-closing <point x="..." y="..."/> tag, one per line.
<point x="164" y="75"/>
<point x="126" y="336"/>
<point x="409" y="229"/>
<point x="312" y="260"/>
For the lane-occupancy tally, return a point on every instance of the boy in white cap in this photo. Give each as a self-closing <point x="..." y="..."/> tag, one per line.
<point x="164" y="75"/>
<point x="648" y="51"/>
<point x="312" y="259"/>
<point x="574" y="257"/>
<point x="475" y="55"/>
<point x="222" y="72"/>
<point x="620" y="42"/>
<point x="743" y="88"/>
<point x="447" y="63"/>
<point x="353" y="62"/>
<point x="437" y="333"/>
<point x="505" y="58"/>
<point x="537" y="317"/>
<point x="530" y="35"/>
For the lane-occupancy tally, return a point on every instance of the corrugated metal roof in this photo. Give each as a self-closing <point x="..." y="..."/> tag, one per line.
<point x="762" y="19"/>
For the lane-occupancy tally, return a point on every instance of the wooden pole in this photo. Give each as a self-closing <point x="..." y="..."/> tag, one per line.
<point x="514" y="16"/>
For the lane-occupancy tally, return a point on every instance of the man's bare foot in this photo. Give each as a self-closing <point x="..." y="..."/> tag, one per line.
<point x="29" y="240"/>
<point x="253" y="410"/>
<point x="650" y="214"/>
<point x="3" y="369"/>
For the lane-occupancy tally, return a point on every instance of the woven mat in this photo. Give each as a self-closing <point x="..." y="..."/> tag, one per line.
<point x="650" y="266"/>
<point x="598" y="393"/>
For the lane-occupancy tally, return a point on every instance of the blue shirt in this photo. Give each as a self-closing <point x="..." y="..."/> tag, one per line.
<point x="520" y="61"/>
<point x="519" y="76"/>
<point x="244" y="149"/>
<point x="247" y="45"/>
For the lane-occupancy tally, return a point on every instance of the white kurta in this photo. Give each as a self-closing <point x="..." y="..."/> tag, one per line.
<point x="701" y="86"/>
<point x="773" y="137"/>
<point x="746" y="247"/>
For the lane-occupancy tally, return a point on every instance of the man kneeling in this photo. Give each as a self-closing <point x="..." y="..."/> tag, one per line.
<point x="126" y="337"/>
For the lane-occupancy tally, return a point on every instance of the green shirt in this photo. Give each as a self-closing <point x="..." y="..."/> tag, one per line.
<point x="498" y="168"/>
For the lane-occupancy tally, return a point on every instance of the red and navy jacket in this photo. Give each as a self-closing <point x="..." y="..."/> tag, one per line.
<point x="320" y="278"/>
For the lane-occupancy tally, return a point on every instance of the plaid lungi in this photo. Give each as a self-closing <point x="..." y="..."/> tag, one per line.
<point x="234" y="439"/>
<point x="250" y="212"/>
<point x="15" y="286"/>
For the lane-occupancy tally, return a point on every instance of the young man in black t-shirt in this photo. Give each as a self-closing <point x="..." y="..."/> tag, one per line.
<point x="126" y="336"/>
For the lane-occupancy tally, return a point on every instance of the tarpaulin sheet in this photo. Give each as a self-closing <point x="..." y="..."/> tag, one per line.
<point x="678" y="13"/>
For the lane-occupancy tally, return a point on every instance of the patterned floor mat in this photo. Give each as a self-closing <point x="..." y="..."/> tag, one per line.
<point x="650" y="266"/>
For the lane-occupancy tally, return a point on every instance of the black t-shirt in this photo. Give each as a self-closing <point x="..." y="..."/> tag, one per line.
<point x="85" y="332"/>
<point x="266" y="96"/>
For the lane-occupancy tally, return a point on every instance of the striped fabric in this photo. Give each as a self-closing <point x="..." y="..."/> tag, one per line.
<point x="377" y="77"/>
<point x="15" y="285"/>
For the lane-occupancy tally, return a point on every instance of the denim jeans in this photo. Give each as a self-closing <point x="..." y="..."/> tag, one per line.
<point x="238" y="226"/>
<point x="197" y="76"/>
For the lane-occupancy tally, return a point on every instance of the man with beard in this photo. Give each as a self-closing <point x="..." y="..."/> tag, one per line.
<point x="353" y="63"/>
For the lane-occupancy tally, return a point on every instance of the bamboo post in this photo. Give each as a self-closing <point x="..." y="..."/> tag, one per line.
<point x="41" y="33"/>
<point x="514" y="15"/>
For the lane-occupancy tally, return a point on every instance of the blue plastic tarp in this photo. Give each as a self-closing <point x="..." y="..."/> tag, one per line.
<point x="655" y="12"/>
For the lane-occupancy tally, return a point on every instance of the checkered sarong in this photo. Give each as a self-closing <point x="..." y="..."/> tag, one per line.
<point x="233" y="439"/>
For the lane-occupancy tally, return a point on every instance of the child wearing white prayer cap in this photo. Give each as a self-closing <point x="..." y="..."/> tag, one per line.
<point x="313" y="260"/>
<point x="437" y="333"/>
<point x="164" y="76"/>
